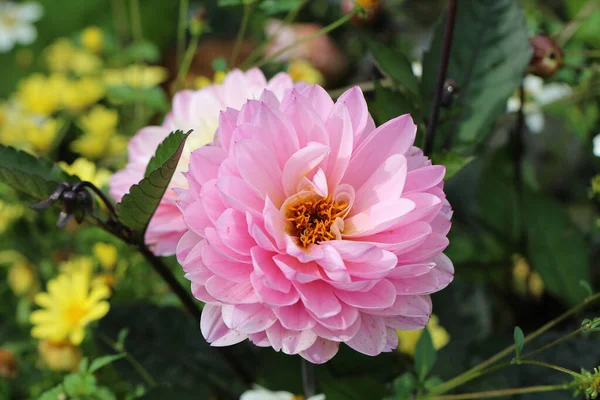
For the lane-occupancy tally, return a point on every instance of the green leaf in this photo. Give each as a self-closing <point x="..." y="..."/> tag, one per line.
<point x="165" y="149"/>
<point x="353" y="389"/>
<point x="404" y="386"/>
<point x="452" y="161"/>
<point x="137" y="207"/>
<point x="390" y="103"/>
<point x="229" y="3"/>
<point x="32" y="176"/>
<point x="103" y="361"/>
<point x="586" y="285"/>
<point x="219" y="64"/>
<point x="489" y="55"/>
<point x="78" y="385"/>
<point x="425" y="355"/>
<point x="279" y="6"/>
<point x="519" y="342"/>
<point x="154" y="97"/>
<point x="556" y="249"/>
<point x="396" y="65"/>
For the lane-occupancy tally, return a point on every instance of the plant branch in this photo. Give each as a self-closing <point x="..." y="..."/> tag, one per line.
<point x="554" y="343"/>
<point x="441" y="77"/>
<point x="569" y="30"/>
<point x="502" y="392"/>
<point x="308" y="378"/>
<point x="551" y="366"/>
<point x="476" y="371"/>
<point x="181" y="27"/>
<point x="241" y="33"/>
<point x="187" y="60"/>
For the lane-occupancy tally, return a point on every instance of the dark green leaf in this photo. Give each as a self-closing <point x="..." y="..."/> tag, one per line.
<point x="586" y="285"/>
<point x="78" y="385"/>
<point x="425" y="355"/>
<point x="144" y="51"/>
<point x="452" y="161"/>
<point x="396" y="65"/>
<point x="30" y="175"/>
<point x="137" y="207"/>
<point x="219" y="64"/>
<point x="556" y="249"/>
<point x="279" y="6"/>
<point x="229" y="3"/>
<point x="390" y="103"/>
<point x="103" y="361"/>
<point x="152" y="97"/>
<point x="489" y="55"/>
<point x="177" y="392"/>
<point x="353" y="389"/>
<point x="164" y="151"/>
<point x="519" y="341"/>
<point x="404" y="386"/>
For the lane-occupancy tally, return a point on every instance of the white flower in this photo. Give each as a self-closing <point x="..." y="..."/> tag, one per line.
<point x="597" y="145"/>
<point x="417" y="69"/>
<point x="16" y="24"/>
<point x="537" y="94"/>
<point x="260" y="393"/>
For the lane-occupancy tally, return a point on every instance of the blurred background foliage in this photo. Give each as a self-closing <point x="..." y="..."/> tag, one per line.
<point x="525" y="236"/>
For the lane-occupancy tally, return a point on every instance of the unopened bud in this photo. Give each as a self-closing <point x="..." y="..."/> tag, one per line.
<point x="8" y="365"/>
<point x="198" y="24"/>
<point x="366" y="10"/>
<point x="547" y="56"/>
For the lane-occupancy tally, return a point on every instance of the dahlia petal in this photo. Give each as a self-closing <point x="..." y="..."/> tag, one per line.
<point x="248" y="318"/>
<point x="297" y="271"/>
<point x="337" y="335"/>
<point x="394" y="137"/>
<point x="256" y="77"/>
<point x="401" y="240"/>
<point x="211" y="199"/>
<point x="382" y="295"/>
<point x="438" y="278"/>
<point x="371" y="338"/>
<point x="199" y="291"/>
<point x="260" y="339"/>
<point x="264" y="264"/>
<point x="392" y="340"/>
<point x="217" y="244"/>
<point x="321" y="351"/>
<point x="427" y="206"/>
<point x="441" y="224"/>
<point x="205" y="162"/>
<point x="406" y="323"/>
<point x="354" y="100"/>
<point x="300" y="164"/>
<point x="227" y="124"/>
<point x="344" y="320"/>
<point x="269" y="99"/>
<point x="196" y="218"/>
<point x="407" y="306"/>
<point x="341" y="134"/>
<point x="379" y="217"/>
<point x="225" y="268"/>
<point x="257" y="231"/>
<point x="185" y="245"/>
<point x="319" y="99"/>
<point x="294" y="317"/>
<point x="272" y="297"/>
<point x="239" y="195"/>
<point x="318" y="297"/>
<point x="333" y="265"/>
<point x="275" y="223"/>
<point x="308" y="123"/>
<point x="233" y="231"/>
<point x="290" y="342"/>
<point x="424" y="178"/>
<point x="276" y="132"/>
<point x="214" y="329"/>
<point x="280" y="84"/>
<point x="434" y="244"/>
<point x="387" y="182"/>
<point x="229" y="292"/>
<point x="259" y="169"/>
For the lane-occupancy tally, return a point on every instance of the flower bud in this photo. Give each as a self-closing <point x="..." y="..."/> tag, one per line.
<point x="59" y="356"/>
<point x="9" y="367"/>
<point x="366" y="10"/>
<point x="547" y="56"/>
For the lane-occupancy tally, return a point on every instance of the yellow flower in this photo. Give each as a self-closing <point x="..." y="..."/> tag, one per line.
<point x="136" y="76"/>
<point x="80" y="264"/>
<point x="408" y="339"/>
<point x="219" y="76"/>
<point x="525" y="280"/>
<point x="302" y="70"/>
<point x="59" y="356"/>
<point x="42" y="135"/>
<point x="202" y="82"/>
<point x="59" y="55"/>
<point x="22" y="279"/>
<point x="86" y="171"/>
<point x="93" y="39"/>
<point x="40" y="94"/>
<point x="85" y="63"/>
<point x="91" y="146"/>
<point x="80" y="94"/>
<point x="104" y="279"/>
<point x="106" y="254"/>
<point x="99" y="120"/>
<point x="9" y="212"/>
<point x="70" y="304"/>
<point x="100" y="136"/>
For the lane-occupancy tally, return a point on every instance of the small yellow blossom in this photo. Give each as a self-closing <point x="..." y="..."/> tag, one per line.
<point x="219" y="76"/>
<point x="100" y="120"/>
<point x="40" y="94"/>
<point x="525" y="280"/>
<point x="80" y="94"/>
<point x="78" y="264"/>
<point x="59" y="356"/>
<point x="93" y="39"/>
<point x="69" y="305"/>
<point x="87" y="171"/>
<point x="106" y="254"/>
<point x="202" y="82"/>
<point x="136" y="76"/>
<point x="85" y="63"/>
<point x="22" y="279"/>
<point x="303" y="71"/>
<point x="104" y="279"/>
<point x="407" y="340"/>
<point x="42" y="135"/>
<point x="9" y="212"/>
<point x="59" y="55"/>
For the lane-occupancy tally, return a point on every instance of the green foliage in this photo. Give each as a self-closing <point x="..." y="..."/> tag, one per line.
<point x="403" y="387"/>
<point x="556" y="249"/>
<point x="353" y="389"/>
<point x="165" y="150"/>
<point x="425" y="355"/>
<point x="396" y="65"/>
<point x="103" y="361"/>
<point x="271" y="7"/>
<point x="489" y="55"/>
<point x="519" y="342"/>
<point x="390" y="103"/>
<point x="154" y="97"/>
<point x="137" y="207"/>
<point x="28" y="174"/>
<point x="453" y="162"/>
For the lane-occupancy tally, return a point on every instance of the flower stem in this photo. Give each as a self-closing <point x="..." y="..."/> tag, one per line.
<point x="308" y="378"/>
<point x="134" y="363"/>
<point x="181" y="27"/>
<point x="476" y="371"/>
<point x="552" y="366"/>
<point x="320" y="32"/>
<point x="241" y="33"/>
<point x="187" y="60"/>
<point x="554" y="343"/>
<point x="441" y="78"/>
<point x="569" y="30"/>
<point x="257" y="52"/>
<point x="501" y="392"/>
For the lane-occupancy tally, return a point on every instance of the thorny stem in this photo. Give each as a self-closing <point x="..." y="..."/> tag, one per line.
<point x="441" y="77"/>
<point x="182" y="24"/>
<point x="256" y="53"/>
<point x="241" y="33"/>
<point x="320" y="32"/>
<point x="476" y="371"/>
<point x="502" y="392"/>
<point x="308" y="378"/>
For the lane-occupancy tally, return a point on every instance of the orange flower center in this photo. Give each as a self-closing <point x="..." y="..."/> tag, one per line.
<point x="74" y="314"/>
<point x="312" y="218"/>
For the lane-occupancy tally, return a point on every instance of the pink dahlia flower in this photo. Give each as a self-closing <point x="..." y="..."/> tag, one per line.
<point x="197" y="110"/>
<point x="309" y="227"/>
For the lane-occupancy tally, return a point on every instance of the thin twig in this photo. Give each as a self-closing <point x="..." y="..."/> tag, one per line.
<point x="441" y="77"/>
<point x="241" y="33"/>
<point x="570" y="29"/>
<point x="501" y="392"/>
<point x="182" y="25"/>
<point x="308" y="378"/>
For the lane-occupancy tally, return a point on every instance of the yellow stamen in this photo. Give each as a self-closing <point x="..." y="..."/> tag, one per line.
<point x="312" y="218"/>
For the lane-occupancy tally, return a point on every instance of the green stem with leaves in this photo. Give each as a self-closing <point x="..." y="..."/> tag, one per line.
<point x="323" y="31"/>
<point x="187" y="60"/>
<point x="241" y="33"/>
<point x="502" y="392"/>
